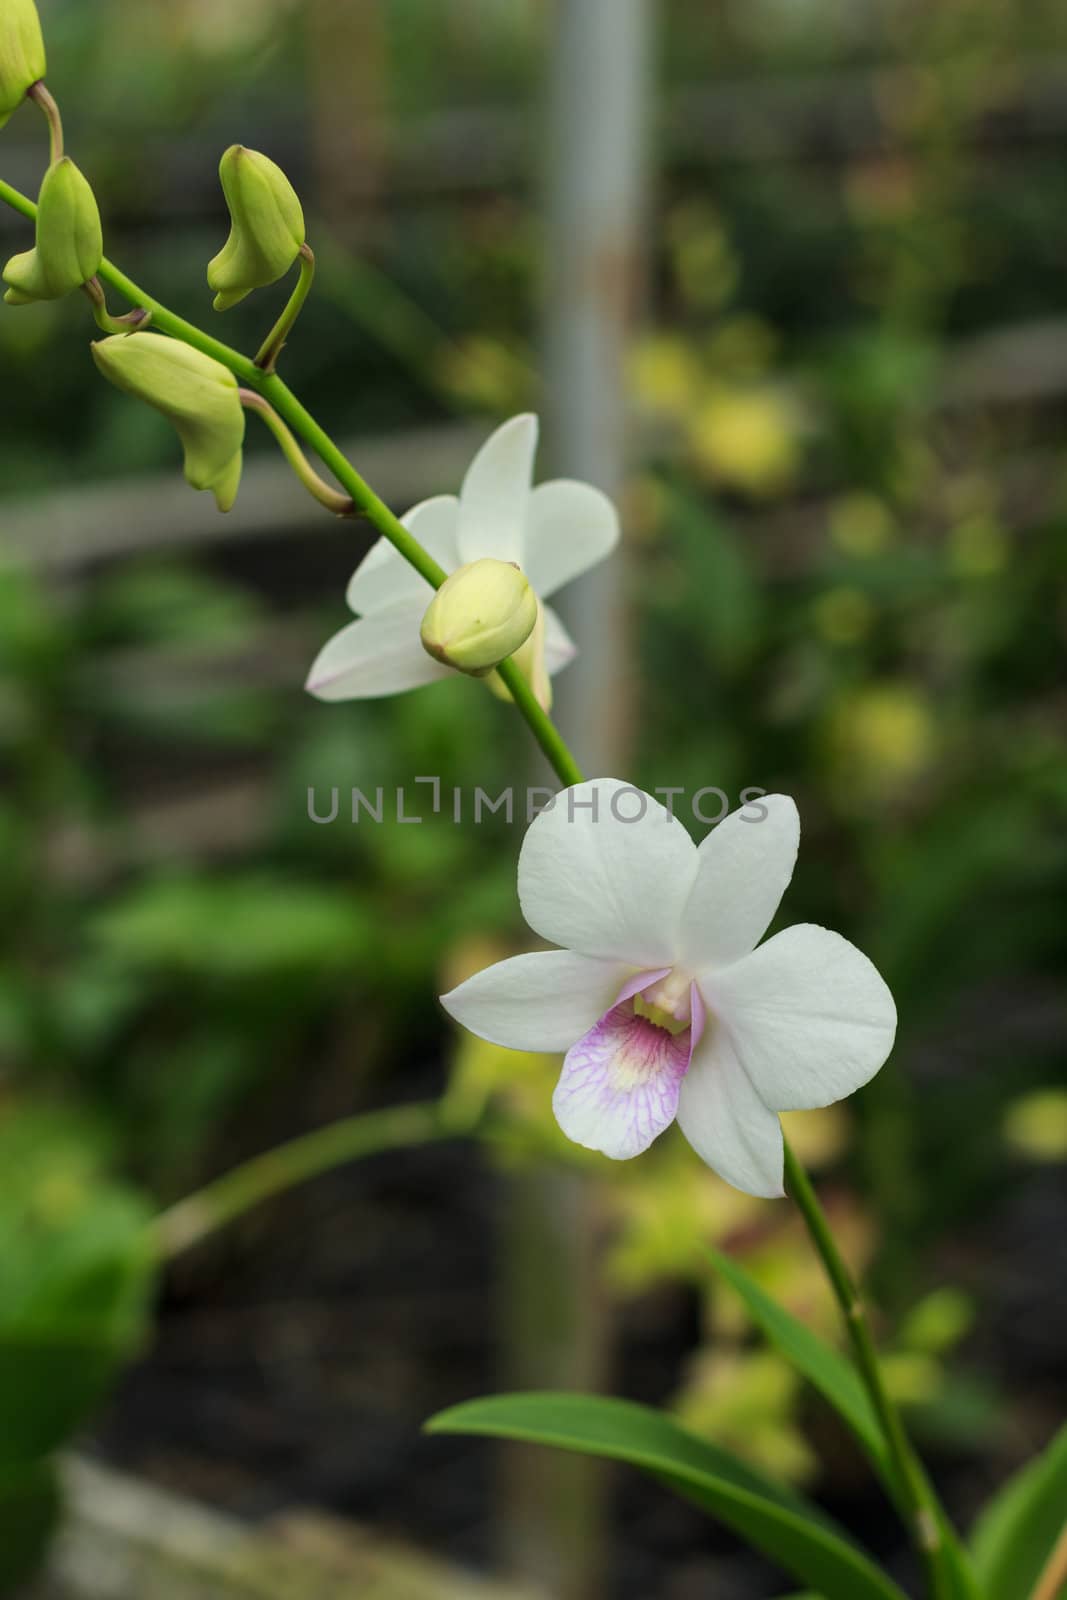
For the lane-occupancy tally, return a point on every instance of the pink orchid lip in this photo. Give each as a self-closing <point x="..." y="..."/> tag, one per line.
<point x="619" y="1085"/>
<point x="620" y="1082"/>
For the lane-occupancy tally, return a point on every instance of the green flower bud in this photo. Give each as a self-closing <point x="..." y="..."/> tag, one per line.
<point x="70" y="242"/>
<point x="22" y="62"/>
<point x="267" y="226"/>
<point x="480" y="616"/>
<point x="197" y="393"/>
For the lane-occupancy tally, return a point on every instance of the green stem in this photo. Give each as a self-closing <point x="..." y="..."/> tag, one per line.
<point x="540" y="724"/>
<point x="41" y="96"/>
<point x="928" y="1524"/>
<point x="132" y="322"/>
<point x="365" y="501"/>
<point x="340" y="504"/>
<point x="247" y="1186"/>
<point x="274" y="343"/>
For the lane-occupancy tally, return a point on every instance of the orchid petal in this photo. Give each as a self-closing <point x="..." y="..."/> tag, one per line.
<point x="373" y="656"/>
<point x="603" y="886"/>
<point x="726" y="1122"/>
<point x="571" y="526"/>
<point x="745" y="865"/>
<point x="810" y="1017"/>
<point x="542" y="1001"/>
<point x="384" y="577"/>
<point x="619" y="1086"/>
<point x="560" y="648"/>
<point x="494" y="500"/>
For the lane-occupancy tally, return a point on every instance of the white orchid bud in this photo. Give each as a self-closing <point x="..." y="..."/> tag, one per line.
<point x="479" y="616"/>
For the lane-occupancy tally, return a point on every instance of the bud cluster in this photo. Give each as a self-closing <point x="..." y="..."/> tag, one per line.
<point x="198" y="394"/>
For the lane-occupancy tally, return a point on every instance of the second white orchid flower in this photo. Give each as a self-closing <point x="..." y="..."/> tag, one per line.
<point x="553" y="533"/>
<point x="659" y="996"/>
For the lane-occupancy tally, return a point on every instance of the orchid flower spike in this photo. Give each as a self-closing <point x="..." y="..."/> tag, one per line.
<point x="659" y="996"/>
<point x="553" y="533"/>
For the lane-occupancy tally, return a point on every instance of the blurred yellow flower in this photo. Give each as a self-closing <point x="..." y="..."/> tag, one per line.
<point x="484" y="374"/>
<point x="747" y="438"/>
<point x="882" y="735"/>
<point x="912" y="1378"/>
<point x="860" y="524"/>
<point x="938" y="1322"/>
<point x="1036" y="1125"/>
<point x="744" y="1401"/>
<point x="668" y="1209"/>
<point x="666" y="375"/>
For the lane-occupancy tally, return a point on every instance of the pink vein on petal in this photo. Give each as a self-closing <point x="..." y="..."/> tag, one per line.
<point x="620" y="1083"/>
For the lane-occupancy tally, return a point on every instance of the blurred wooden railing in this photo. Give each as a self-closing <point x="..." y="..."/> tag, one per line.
<point x="123" y="1539"/>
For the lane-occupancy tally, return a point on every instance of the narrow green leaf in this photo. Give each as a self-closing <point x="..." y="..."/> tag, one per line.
<point x="1015" y="1535"/>
<point x="839" y="1383"/>
<point x="789" y="1530"/>
<point x="834" y="1377"/>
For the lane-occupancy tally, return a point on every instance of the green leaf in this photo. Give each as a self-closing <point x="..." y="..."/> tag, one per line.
<point x="57" y="1365"/>
<point x="76" y="1271"/>
<point x="29" y="1505"/>
<point x="792" y="1532"/>
<point x="834" y="1377"/>
<point x="839" y="1383"/>
<point x="1016" y="1532"/>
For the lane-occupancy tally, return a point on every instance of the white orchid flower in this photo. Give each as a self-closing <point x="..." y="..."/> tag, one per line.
<point x="659" y="996"/>
<point x="553" y="533"/>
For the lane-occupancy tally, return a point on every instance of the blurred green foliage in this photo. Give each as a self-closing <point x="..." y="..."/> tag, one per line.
<point x="76" y="1268"/>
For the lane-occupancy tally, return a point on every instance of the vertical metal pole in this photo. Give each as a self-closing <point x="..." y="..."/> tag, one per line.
<point x="596" y="203"/>
<point x="556" y="1333"/>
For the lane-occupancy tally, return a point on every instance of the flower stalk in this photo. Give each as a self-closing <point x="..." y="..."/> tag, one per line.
<point x="43" y="98"/>
<point x="275" y="342"/>
<point x="927" y="1522"/>
<point x="340" y="504"/>
<point x="240" y="1190"/>
<point x="131" y="322"/>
